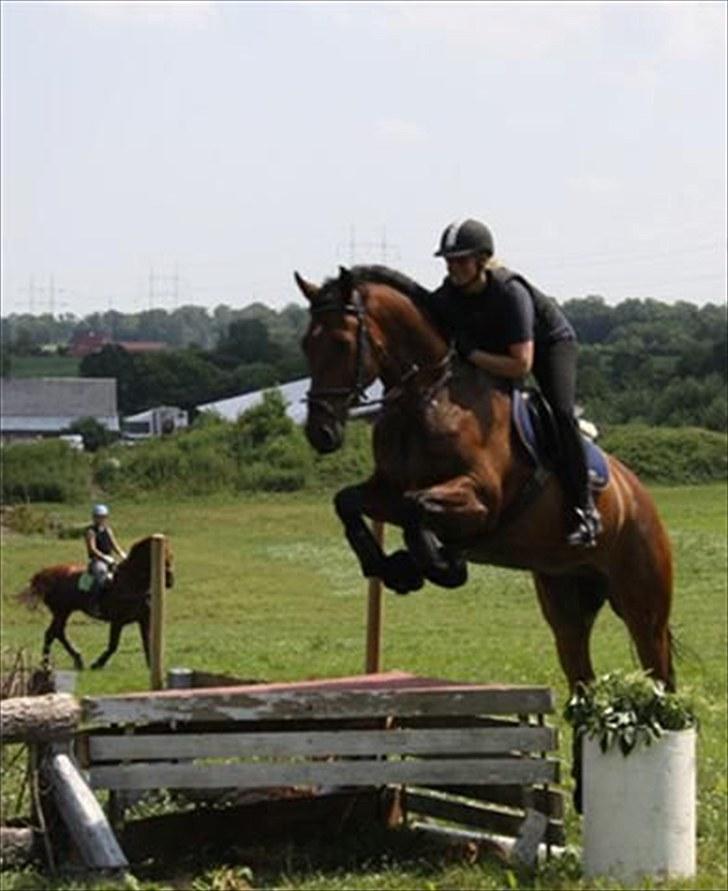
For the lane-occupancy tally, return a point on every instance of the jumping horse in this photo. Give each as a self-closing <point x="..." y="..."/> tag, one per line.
<point x="127" y="600"/>
<point x="451" y="472"/>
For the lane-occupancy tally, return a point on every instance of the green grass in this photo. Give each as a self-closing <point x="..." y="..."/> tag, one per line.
<point x="44" y="366"/>
<point x="267" y="588"/>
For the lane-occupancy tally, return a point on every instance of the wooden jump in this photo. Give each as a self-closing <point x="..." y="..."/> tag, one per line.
<point x="469" y="753"/>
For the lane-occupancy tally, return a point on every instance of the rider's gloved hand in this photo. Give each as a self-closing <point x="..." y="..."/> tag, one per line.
<point x="463" y="346"/>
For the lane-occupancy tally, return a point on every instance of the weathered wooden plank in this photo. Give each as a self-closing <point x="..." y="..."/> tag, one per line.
<point x="466" y="741"/>
<point x="53" y="716"/>
<point x="498" y="822"/>
<point x="82" y="814"/>
<point x="231" y="704"/>
<point x="531" y="834"/>
<point x="195" y="775"/>
<point x="548" y="801"/>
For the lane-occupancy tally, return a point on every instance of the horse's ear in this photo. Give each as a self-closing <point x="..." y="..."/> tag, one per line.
<point x="346" y="281"/>
<point x="308" y="289"/>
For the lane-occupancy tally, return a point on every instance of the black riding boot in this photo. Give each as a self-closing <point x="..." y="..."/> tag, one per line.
<point x="583" y="521"/>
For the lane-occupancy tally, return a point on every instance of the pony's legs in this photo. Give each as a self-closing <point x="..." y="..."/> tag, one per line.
<point x="114" y="635"/>
<point x="397" y="571"/>
<point x="57" y="631"/>
<point x="570" y="606"/>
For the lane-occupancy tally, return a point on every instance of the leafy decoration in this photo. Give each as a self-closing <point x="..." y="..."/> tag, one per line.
<point x="627" y="709"/>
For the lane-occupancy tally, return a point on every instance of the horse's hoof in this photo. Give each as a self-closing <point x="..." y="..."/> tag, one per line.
<point x="97" y="665"/>
<point x="401" y="574"/>
<point x="453" y="575"/>
<point x="78" y="664"/>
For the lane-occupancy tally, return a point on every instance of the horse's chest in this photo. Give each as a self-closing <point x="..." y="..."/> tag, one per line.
<point x="416" y="454"/>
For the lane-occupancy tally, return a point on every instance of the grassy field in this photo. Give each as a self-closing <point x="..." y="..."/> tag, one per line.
<point x="44" y="366"/>
<point x="267" y="588"/>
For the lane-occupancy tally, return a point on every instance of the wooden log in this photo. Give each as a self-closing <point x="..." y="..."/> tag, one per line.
<point x="18" y="846"/>
<point x="39" y="719"/>
<point x="82" y="814"/>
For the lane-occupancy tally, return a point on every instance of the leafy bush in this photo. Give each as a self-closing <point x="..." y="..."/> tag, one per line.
<point x="665" y="455"/>
<point x="49" y="470"/>
<point x="94" y="434"/>
<point x="626" y="710"/>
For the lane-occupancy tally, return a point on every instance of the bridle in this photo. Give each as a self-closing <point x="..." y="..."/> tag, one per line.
<point x="355" y="396"/>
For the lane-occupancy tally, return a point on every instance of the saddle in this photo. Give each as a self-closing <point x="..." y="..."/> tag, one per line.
<point x="535" y="426"/>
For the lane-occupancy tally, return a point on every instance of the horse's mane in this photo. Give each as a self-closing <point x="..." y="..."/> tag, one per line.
<point x="383" y="275"/>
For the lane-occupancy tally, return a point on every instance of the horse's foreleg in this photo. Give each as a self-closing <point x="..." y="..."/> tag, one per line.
<point x="570" y="606"/>
<point x="114" y="635"/>
<point x="397" y="571"/>
<point x="453" y="507"/>
<point x="57" y="631"/>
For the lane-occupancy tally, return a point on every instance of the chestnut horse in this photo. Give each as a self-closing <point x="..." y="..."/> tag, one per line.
<point x="126" y="600"/>
<point x="450" y="471"/>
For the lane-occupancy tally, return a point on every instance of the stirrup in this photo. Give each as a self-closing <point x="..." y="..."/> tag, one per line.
<point x="588" y="527"/>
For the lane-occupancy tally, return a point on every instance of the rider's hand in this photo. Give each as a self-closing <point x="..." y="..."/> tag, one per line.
<point x="122" y="555"/>
<point x="463" y="347"/>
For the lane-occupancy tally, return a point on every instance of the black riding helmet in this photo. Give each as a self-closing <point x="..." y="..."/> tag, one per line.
<point x="466" y="239"/>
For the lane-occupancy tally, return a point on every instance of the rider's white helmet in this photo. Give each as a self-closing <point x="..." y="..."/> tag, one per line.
<point x="100" y="510"/>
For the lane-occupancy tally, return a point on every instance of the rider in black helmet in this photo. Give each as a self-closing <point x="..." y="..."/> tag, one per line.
<point x="504" y="325"/>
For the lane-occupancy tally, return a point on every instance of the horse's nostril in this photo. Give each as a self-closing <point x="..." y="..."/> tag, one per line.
<point x="323" y="438"/>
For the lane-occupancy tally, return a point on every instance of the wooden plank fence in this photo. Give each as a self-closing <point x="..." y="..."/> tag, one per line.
<point x="469" y="754"/>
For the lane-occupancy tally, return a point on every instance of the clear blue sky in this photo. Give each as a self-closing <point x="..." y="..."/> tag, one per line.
<point x="233" y="143"/>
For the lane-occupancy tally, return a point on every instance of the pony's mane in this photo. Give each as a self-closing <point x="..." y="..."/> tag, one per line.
<point x="383" y="275"/>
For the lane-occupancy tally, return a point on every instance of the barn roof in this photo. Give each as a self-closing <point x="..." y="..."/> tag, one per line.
<point x="52" y="403"/>
<point x="293" y="394"/>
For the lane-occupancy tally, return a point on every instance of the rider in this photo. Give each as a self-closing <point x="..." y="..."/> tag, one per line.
<point x="101" y="547"/>
<point x="504" y="325"/>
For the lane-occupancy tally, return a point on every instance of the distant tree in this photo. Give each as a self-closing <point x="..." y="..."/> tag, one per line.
<point x="247" y="340"/>
<point x="94" y="434"/>
<point x="114" y="361"/>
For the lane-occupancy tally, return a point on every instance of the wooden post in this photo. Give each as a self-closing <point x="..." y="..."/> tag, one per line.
<point x="373" y="663"/>
<point x="156" y="625"/>
<point x="82" y="814"/>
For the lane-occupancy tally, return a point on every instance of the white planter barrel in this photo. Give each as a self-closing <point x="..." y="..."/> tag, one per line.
<point x="639" y="810"/>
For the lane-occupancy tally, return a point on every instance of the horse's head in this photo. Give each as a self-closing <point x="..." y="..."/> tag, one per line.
<point x="340" y="354"/>
<point x="135" y="572"/>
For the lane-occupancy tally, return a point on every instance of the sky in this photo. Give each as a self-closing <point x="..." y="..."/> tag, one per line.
<point x="161" y="154"/>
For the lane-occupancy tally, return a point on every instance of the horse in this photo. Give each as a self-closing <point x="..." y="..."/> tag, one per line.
<point x="451" y="472"/>
<point x="125" y="601"/>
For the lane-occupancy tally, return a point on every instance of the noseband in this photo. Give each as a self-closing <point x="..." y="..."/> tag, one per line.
<point x="356" y="395"/>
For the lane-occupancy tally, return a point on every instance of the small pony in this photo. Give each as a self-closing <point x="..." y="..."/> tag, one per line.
<point x="126" y="600"/>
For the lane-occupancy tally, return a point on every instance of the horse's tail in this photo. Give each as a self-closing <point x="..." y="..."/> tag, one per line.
<point x="30" y="597"/>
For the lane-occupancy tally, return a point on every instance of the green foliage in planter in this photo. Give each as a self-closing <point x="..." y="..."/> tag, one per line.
<point x="626" y="709"/>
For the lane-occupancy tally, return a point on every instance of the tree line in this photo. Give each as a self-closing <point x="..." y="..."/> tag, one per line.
<point x="641" y="361"/>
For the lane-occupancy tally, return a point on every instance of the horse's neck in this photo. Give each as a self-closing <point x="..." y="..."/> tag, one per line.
<point x="405" y="336"/>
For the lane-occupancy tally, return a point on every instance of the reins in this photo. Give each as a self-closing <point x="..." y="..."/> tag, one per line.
<point x="355" y="396"/>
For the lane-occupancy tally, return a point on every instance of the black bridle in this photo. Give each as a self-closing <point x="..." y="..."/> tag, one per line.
<point x="355" y="395"/>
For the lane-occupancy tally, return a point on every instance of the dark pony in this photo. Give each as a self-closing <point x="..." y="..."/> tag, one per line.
<point x="450" y="472"/>
<point x="126" y="601"/>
